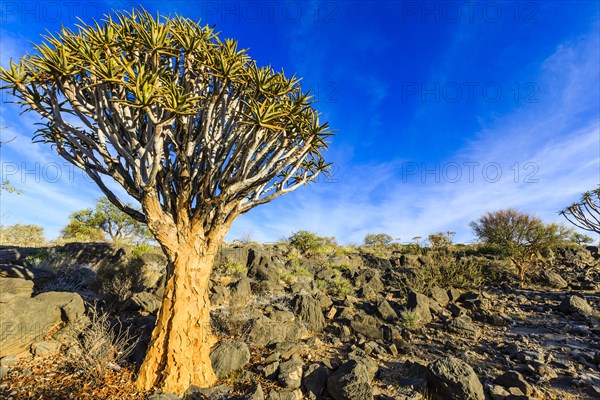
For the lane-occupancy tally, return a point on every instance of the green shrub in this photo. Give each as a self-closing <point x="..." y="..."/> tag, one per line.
<point x="329" y="248"/>
<point x="322" y="285"/>
<point x="337" y="286"/>
<point x="410" y="248"/>
<point x="382" y="252"/>
<point x="47" y="258"/>
<point x="144" y="248"/>
<point x="293" y="257"/>
<point x="294" y="274"/>
<point x="341" y="286"/>
<point x="83" y="227"/>
<point x="343" y="267"/>
<point x="345" y="250"/>
<point x="410" y="318"/>
<point x="231" y="267"/>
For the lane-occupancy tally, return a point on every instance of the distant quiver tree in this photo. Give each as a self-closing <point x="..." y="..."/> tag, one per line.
<point x="585" y="214"/>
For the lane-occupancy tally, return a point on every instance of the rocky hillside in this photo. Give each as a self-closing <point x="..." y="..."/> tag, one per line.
<point x="345" y="323"/>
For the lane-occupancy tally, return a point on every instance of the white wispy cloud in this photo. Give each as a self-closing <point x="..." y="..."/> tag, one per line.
<point x="559" y="137"/>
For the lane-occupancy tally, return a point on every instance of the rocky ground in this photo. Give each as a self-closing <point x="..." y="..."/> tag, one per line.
<point x="344" y="323"/>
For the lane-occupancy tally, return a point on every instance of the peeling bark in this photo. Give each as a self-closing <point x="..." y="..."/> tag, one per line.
<point x="178" y="355"/>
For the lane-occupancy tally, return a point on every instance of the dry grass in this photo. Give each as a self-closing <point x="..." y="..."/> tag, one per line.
<point x="53" y="378"/>
<point x="103" y="346"/>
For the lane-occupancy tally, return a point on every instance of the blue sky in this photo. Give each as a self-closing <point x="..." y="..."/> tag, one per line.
<point x="443" y="109"/>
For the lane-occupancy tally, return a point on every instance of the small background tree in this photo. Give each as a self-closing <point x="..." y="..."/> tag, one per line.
<point x="377" y="240"/>
<point x="22" y="235"/>
<point x="193" y="130"/>
<point x="521" y="237"/>
<point x="441" y="239"/>
<point x="308" y="242"/>
<point x="105" y="221"/>
<point x="581" y="239"/>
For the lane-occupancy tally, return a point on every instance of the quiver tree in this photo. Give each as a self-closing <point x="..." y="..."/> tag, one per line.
<point x="586" y="213"/>
<point x="192" y="129"/>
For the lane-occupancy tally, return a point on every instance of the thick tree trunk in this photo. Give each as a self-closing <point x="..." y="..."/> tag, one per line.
<point x="178" y="355"/>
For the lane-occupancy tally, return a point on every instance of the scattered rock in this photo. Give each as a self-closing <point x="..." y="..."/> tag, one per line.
<point x="264" y="331"/>
<point x="45" y="348"/>
<point x="143" y="301"/>
<point x="27" y="320"/>
<point x="331" y="313"/>
<point x="241" y="292"/>
<point x="197" y="393"/>
<point x="38" y="276"/>
<point x="270" y="370"/>
<point x="435" y="308"/>
<point x="220" y="296"/>
<point x="351" y="381"/>
<point x="14" y="287"/>
<point x="279" y="315"/>
<point x="440" y="296"/>
<point x="315" y="380"/>
<point x="497" y="392"/>
<point x="454" y="379"/>
<point x="453" y="294"/>
<point x="295" y="394"/>
<point x="385" y="311"/>
<point x="513" y="379"/>
<point x="576" y="306"/>
<point x="457" y="310"/>
<point x="409" y="260"/>
<point x="533" y="336"/>
<point x="8" y="361"/>
<point x="367" y="325"/>
<point x="369" y="281"/>
<point x="255" y="392"/>
<point x="420" y="304"/>
<point x="308" y="310"/>
<point x="554" y="280"/>
<point x="464" y="326"/>
<point x="163" y="396"/>
<point x="290" y="372"/>
<point x="229" y="356"/>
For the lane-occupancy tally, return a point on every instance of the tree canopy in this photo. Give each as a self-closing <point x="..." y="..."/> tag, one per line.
<point x="177" y="116"/>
